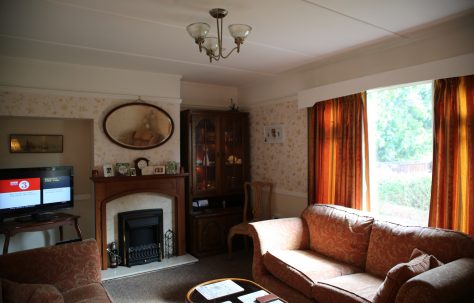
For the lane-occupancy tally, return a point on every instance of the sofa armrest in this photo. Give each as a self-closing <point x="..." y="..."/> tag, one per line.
<point x="65" y="266"/>
<point x="287" y="233"/>
<point x="451" y="282"/>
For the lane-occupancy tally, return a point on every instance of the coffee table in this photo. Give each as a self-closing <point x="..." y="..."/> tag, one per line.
<point x="194" y="296"/>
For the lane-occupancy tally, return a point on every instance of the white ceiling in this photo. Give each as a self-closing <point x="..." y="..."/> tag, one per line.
<point x="150" y="35"/>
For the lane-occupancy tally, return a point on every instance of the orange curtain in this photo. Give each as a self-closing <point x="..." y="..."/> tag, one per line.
<point x="335" y="151"/>
<point x="452" y="193"/>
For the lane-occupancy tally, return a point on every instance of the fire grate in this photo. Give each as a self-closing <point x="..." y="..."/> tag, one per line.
<point x="141" y="236"/>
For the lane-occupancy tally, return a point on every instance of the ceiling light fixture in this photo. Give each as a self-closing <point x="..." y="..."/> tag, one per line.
<point x="213" y="45"/>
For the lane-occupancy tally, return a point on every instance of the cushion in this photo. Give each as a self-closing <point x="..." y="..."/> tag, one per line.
<point x="360" y="287"/>
<point x="14" y="292"/>
<point x="338" y="232"/>
<point x="433" y="261"/>
<point x="401" y="273"/>
<point x="303" y="268"/>
<point x="391" y="244"/>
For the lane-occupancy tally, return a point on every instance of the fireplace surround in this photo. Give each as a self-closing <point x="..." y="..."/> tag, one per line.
<point x="106" y="189"/>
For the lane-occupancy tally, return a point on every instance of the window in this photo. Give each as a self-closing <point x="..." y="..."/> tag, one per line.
<point x="400" y="133"/>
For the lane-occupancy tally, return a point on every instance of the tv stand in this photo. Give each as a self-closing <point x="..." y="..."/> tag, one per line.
<point x="40" y="217"/>
<point x="52" y="220"/>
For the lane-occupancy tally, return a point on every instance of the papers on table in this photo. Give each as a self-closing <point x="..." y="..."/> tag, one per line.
<point x="251" y="298"/>
<point x="219" y="289"/>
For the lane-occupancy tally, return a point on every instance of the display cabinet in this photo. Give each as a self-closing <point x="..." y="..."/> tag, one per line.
<point x="215" y="151"/>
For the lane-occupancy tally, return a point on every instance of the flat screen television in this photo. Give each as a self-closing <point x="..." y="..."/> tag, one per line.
<point x="35" y="191"/>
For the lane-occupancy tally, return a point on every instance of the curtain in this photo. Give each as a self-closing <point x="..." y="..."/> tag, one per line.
<point x="335" y="151"/>
<point x="452" y="192"/>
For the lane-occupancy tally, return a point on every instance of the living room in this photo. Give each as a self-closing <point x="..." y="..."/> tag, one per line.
<point x="54" y="80"/>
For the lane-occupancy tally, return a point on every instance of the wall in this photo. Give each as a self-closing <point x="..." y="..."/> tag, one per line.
<point x="199" y="95"/>
<point x="284" y="164"/>
<point x="422" y="53"/>
<point x="62" y="92"/>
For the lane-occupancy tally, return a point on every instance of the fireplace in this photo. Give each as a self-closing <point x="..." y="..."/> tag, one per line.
<point x="141" y="236"/>
<point x="111" y="188"/>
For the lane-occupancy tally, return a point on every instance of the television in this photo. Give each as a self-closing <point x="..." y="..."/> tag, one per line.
<point x="33" y="192"/>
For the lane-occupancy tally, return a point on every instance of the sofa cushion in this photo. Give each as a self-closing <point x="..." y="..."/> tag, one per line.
<point x="93" y="292"/>
<point x="303" y="268"/>
<point x="433" y="261"/>
<point x="391" y="244"/>
<point x="360" y="287"/>
<point x="13" y="292"/>
<point x="399" y="274"/>
<point x="338" y="232"/>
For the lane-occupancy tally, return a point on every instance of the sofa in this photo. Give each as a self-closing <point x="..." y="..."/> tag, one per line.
<point x="68" y="272"/>
<point x="338" y="254"/>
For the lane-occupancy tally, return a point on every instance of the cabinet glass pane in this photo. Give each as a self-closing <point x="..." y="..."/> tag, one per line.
<point x="233" y="154"/>
<point x="205" y="149"/>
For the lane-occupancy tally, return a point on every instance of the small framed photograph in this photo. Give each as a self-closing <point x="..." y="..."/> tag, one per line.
<point x="108" y="170"/>
<point x="148" y="170"/>
<point x="171" y="167"/>
<point x="123" y="169"/>
<point x="273" y="133"/>
<point x="159" y="170"/>
<point x="133" y="172"/>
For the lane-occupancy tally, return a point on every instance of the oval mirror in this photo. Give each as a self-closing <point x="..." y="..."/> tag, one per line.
<point x="138" y="126"/>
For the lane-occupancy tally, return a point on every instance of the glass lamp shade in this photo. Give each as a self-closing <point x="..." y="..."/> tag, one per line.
<point x="198" y="30"/>
<point x="240" y="30"/>
<point x="211" y="43"/>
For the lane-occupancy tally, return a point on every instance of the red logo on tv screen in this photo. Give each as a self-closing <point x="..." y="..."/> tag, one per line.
<point x="19" y="185"/>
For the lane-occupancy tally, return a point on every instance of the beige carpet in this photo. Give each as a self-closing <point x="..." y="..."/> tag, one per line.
<point x="171" y="285"/>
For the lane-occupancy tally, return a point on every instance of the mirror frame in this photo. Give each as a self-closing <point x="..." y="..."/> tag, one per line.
<point x="133" y="104"/>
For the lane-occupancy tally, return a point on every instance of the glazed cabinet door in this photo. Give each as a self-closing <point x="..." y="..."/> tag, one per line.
<point x="205" y="164"/>
<point x="234" y="146"/>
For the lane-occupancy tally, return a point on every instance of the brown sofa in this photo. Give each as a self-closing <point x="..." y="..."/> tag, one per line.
<point x="63" y="273"/>
<point x="337" y="254"/>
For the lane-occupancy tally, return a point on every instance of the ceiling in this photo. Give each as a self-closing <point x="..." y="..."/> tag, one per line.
<point x="150" y="35"/>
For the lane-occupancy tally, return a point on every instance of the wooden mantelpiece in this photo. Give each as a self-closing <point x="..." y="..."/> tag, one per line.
<point x="111" y="188"/>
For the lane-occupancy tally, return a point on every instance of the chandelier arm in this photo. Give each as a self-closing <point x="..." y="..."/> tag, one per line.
<point x="228" y="54"/>
<point x="208" y="52"/>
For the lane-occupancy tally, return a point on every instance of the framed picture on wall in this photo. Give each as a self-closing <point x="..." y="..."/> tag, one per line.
<point x="273" y="133"/>
<point x="27" y="143"/>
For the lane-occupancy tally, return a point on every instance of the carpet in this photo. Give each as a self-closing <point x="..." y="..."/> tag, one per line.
<point x="171" y="285"/>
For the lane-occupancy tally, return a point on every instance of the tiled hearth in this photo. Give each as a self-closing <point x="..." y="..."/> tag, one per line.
<point x="123" y="271"/>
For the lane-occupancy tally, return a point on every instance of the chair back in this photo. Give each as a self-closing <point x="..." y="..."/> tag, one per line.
<point x="258" y="196"/>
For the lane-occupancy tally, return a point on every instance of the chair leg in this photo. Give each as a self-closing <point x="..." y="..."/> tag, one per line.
<point x="229" y="244"/>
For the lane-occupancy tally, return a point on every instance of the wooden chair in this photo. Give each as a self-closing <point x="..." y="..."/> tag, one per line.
<point x="258" y="196"/>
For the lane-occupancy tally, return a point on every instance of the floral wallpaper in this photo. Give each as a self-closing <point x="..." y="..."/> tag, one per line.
<point x="55" y="106"/>
<point x="284" y="164"/>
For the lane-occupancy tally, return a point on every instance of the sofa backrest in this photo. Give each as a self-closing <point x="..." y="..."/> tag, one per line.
<point x="392" y="243"/>
<point x="338" y="232"/>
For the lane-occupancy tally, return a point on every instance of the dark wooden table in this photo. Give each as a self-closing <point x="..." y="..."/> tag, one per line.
<point x="12" y="228"/>
<point x="194" y="296"/>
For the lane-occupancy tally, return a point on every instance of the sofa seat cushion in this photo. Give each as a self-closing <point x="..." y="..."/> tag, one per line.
<point x="391" y="244"/>
<point x="303" y="268"/>
<point x="360" y="287"/>
<point x="94" y="293"/>
<point x="338" y="232"/>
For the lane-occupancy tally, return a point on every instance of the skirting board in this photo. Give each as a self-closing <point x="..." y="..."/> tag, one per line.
<point x="124" y="271"/>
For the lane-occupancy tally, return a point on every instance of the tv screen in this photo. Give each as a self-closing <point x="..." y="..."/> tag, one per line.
<point x="31" y="191"/>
